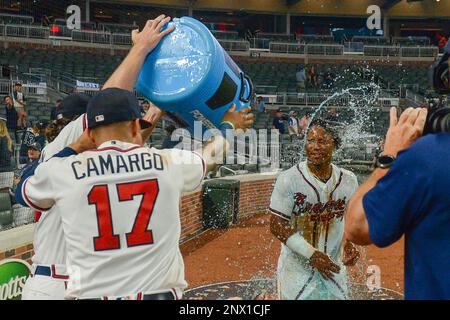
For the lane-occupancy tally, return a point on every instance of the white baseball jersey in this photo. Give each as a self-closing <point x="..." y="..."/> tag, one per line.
<point x="119" y="207"/>
<point x="49" y="243"/>
<point x="316" y="210"/>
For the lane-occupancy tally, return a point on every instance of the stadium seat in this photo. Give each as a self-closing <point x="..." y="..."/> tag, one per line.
<point x="6" y="180"/>
<point x="22" y="215"/>
<point x="6" y="216"/>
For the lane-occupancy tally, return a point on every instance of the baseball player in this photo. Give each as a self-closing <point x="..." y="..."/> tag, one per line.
<point x="49" y="277"/>
<point x="122" y="238"/>
<point x="308" y="204"/>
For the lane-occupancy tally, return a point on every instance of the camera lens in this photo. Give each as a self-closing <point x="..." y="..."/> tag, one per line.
<point x="438" y="120"/>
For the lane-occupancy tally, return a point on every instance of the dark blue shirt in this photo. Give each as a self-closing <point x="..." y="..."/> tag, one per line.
<point x="11" y="118"/>
<point x="413" y="199"/>
<point x="28" y="138"/>
<point x="278" y="123"/>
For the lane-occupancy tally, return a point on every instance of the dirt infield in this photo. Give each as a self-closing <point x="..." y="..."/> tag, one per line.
<point x="249" y="251"/>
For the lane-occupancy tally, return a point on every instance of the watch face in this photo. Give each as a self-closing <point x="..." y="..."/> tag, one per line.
<point x="385" y="161"/>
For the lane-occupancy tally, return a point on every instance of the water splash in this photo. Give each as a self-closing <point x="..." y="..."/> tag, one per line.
<point x="360" y="126"/>
<point x="357" y="125"/>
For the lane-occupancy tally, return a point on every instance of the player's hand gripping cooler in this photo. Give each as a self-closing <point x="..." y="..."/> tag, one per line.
<point x="190" y="75"/>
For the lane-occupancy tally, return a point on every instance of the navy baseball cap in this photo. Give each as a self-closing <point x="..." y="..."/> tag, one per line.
<point x="73" y="106"/>
<point x="36" y="146"/>
<point x="114" y="105"/>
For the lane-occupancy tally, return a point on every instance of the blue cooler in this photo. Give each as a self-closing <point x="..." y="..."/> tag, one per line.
<point x="191" y="76"/>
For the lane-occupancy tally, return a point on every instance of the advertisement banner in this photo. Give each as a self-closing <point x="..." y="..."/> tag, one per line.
<point x="13" y="274"/>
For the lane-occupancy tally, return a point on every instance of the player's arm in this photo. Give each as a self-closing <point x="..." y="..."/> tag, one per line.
<point x="193" y="166"/>
<point x="281" y="206"/>
<point x="281" y="228"/>
<point x="153" y="115"/>
<point x="35" y="188"/>
<point x="214" y="150"/>
<point x="126" y="75"/>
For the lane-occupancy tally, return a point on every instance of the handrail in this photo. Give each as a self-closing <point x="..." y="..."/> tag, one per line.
<point x="20" y="16"/>
<point x="416" y="98"/>
<point x="398" y="51"/>
<point x="235" y="45"/>
<point x="123" y="39"/>
<point x="299" y="48"/>
<point x="224" y="32"/>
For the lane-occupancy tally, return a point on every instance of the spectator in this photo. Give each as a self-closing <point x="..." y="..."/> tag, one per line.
<point x="27" y="140"/>
<point x="442" y="41"/>
<point x="261" y="104"/>
<point x="168" y="143"/>
<point x="55" y="110"/>
<point x="332" y="115"/>
<point x="304" y="123"/>
<point x="29" y="137"/>
<point x="19" y="104"/>
<point x="6" y="149"/>
<point x="312" y="77"/>
<point x="11" y="115"/>
<point x="39" y="132"/>
<point x="12" y="190"/>
<point x="34" y="153"/>
<point x="328" y="79"/>
<point x="293" y="123"/>
<point x="278" y="122"/>
<point x="301" y="77"/>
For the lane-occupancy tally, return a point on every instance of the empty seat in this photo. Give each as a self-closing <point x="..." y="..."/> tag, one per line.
<point x="6" y="217"/>
<point x="6" y="179"/>
<point x="22" y="215"/>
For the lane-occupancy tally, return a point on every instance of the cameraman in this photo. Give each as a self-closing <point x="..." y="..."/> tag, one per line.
<point x="408" y="194"/>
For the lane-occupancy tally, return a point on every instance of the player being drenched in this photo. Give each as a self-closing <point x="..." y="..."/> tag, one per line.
<point x="119" y="202"/>
<point x="308" y="205"/>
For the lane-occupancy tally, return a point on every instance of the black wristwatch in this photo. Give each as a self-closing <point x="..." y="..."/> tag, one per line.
<point x="384" y="161"/>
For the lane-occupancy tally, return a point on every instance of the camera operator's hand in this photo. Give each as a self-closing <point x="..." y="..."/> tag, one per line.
<point x="404" y="131"/>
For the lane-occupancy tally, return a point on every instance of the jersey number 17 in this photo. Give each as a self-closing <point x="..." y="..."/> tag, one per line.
<point x="139" y="235"/>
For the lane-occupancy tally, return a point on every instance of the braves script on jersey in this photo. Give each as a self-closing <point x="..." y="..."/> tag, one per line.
<point x="49" y="243"/>
<point x="316" y="210"/>
<point x="120" y="214"/>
